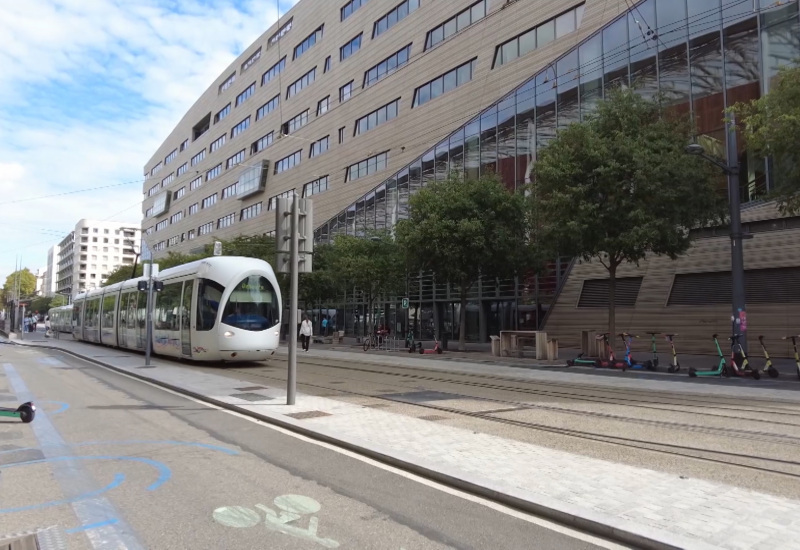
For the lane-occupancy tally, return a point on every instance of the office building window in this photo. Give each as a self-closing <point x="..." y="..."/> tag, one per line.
<point x="457" y="23"/>
<point x="393" y="17"/>
<point x="443" y="84"/>
<point x="217" y="143"/>
<point x="171" y="157"/>
<point x="198" y="157"/>
<point x="295" y="123"/>
<point x="289" y="162"/>
<point x="316" y="186"/>
<point x="193" y="209"/>
<point x="319" y="147"/>
<point x="161" y="225"/>
<point x="238" y="158"/>
<point x="209" y="201"/>
<point x="241" y="127"/>
<point x="350" y="48"/>
<point x="184" y="145"/>
<point x="280" y="32"/>
<point x="250" y="212"/>
<point x="153" y="190"/>
<point x="155" y="169"/>
<point x="268" y="107"/>
<point x="226" y="221"/>
<point x="273" y="201"/>
<point x="387" y="66"/>
<point x="349" y="8"/>
<point x="539" y="36"/>
<point x="323" y="105"/>
<point x="305" y="80"/>
<point x="190" y="234"/>
<point x="341" y="134"/>
<point x="225" y="111"/>
<point x="327" y="65"/>
<point x="180" y="193"/>
<point x="206" y="228"/>
<point x="182" y="169"/>
<point x="377" y="117"/>
<point x="242" y="97"/>
<point x="345" y="92"/>
<point x="195" y="183"/>
<point x="228" y="83"/>
<point x="169" y="179"/>
<point x="173" y="240"/>
<point x="273" y="71"/>
<point x="214" y="172"/>
<point x="175" y="218"/>
<point x="250" y="61"/>
<point x="308" y="42"/>
<point x="261" y="143"/>
<point x="367" y="167"/>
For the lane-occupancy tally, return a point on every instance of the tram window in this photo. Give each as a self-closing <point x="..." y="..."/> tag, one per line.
<point x="209" y="295"/>
<point x="253" y="305"/>
<point x="109" y="304"/>
<point x="76" y="314"/>
<point x="168" y="302"/>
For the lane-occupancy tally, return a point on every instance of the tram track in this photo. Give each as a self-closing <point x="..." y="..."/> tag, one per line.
<point x="754" y="462"/>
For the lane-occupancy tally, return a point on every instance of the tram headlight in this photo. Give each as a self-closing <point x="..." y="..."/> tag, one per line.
<point x="276" y="333"/>
<point x="228" y="334"/>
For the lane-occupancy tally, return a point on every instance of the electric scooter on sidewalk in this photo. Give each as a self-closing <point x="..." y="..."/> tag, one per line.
<point x="768" y="368"/>
<point x="652" y="364"/>
<point x="739" y="366"/>
<point x="25" y="412"/>
<point x="675" y="366"/>
<point x="627" y="340"/>
<point x="796" y="354"/>
<point x="611" y="362"/>
<point x="437" y="347"/>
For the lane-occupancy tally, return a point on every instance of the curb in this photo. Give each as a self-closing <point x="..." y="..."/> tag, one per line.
<point x="584" y="520"/>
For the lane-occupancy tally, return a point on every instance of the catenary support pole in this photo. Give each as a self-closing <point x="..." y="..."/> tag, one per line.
<point x="149" y="318"/>
<point x="291" y="379"/>
<point x="739" y="312"/>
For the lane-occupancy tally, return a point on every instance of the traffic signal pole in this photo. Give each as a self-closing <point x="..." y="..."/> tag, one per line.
<point x="149" y="317"/>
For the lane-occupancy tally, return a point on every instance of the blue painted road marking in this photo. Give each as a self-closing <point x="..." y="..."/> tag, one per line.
<point x="164" y="473"/>
<point x="63" y="406"/>
<point x="91" y="526"/>
<point x="118" y="479"/>
<point x="225" y="450"/>
<point x="75" y="481"/>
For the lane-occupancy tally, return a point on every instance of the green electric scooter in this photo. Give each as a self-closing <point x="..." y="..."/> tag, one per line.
<point x="652" y="364"/>
<point x="25" y="412"/>
<point x="796" y="354"/>
<point x="768" y="368"/>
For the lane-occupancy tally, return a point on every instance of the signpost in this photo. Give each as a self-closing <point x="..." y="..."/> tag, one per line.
<point x="404" y="303"/>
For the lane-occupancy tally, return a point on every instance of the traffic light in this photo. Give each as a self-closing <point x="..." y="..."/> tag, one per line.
<point x="283" y="233"/>
<point x="305" y="227"/>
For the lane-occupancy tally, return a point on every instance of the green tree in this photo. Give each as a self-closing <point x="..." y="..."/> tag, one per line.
<point x="41" y="304"/>
<point x="620" y="186"/>
<point x="372" y="264"/>
<point x="323" y="283"/>
<point x="771" y="127"/>
<point x="462" y="229"/>
<point x="59" y="300"/>
<point x="20" y="283"/>
<point x="123" y="273"/>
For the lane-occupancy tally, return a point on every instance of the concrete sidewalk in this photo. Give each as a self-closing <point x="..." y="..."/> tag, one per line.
<point x="641" y="507"/>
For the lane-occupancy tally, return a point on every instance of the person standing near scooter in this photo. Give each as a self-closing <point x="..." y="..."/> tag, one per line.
<point x="305" y="332"/>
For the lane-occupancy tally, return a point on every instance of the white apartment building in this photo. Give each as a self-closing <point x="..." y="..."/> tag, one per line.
<point x="51" y="272"/>
<point x="93" y="250"/>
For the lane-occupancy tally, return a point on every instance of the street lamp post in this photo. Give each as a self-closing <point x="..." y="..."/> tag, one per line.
<point x="731" y="169"/>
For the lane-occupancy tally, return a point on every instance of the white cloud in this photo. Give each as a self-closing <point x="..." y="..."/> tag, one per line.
<point x="90" y="89"/>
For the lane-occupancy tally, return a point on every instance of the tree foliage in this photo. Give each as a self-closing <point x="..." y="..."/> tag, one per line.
<point x="462" y="229"/>
<point x="620" y="186"/>
<point x="771" y="127"/>
<point x="20" y="283"/>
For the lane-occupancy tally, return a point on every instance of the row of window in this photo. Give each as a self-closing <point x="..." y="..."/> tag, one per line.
<point x="444" y="83"/>
<point x="238" y="158"/>
<point x="397" y="14"/>
<point x="225" y="111"/>
<point x="217" y="143"/>
<point x="268" y="107"/>
<point x="316" y="186"/>
<point x="274" y="71"/>
<point x="538" y="36"/>
<point x="255" y="56"/>
<point x="350" y="48"/>
<point x="272" y="204"/>
<point x="368" y="166"/>
<point x="350" y="8"/>
<point x="318" y="147"/>
<point x="242" y="97"/>
<point x="288" y="162"/>
<point x="387" y="66"/>
<point x="171" y="156"/>
<point x="457" y="23"/>
<point x="377" y="117"/>
<point x="308" y="42"/>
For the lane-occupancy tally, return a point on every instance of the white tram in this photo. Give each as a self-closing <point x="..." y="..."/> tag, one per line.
<point x="223" y="308"/>
<point x="60" y="318"/>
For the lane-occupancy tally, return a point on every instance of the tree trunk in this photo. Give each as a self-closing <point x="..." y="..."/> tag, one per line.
<point x="462" y="321"/>
<point x="612" y="291"/>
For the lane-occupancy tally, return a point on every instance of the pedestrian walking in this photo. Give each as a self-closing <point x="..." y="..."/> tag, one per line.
<point x="325" y="326"/>
<point x="305" y="332"/>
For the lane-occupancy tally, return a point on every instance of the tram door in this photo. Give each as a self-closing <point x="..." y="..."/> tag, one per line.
<point x="186" y="318"/>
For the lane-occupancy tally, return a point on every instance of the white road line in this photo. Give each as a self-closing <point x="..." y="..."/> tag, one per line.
<point x="541" y="522"/>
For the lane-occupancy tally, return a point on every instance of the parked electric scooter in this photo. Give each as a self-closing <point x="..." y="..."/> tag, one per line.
<point x="611" y="362"/>
<point x="25" y="412"/>
<point x="652" y="364"/>
<point x="796" y="354"/>
<point x="675" y="366"/>
<point x="768" y="368"/>
<point x="437" y="347"/>
<point x="739" y="366"/>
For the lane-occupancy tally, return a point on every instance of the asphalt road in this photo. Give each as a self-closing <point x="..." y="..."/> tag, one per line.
<point x="116" y="463"/>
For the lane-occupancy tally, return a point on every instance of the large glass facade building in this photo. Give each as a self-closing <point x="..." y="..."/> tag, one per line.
<point x="515" y="73"/>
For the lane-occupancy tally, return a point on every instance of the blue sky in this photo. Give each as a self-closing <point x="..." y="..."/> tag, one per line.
<point x="89" y="90"/>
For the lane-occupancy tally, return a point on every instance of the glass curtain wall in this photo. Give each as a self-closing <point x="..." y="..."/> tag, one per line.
<point x="702" y="55"/>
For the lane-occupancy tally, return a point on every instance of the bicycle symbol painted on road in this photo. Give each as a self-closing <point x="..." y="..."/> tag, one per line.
<point x="290" y="509"/>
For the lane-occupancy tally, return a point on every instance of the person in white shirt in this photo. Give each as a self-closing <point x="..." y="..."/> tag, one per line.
<point x="305" y="332"/>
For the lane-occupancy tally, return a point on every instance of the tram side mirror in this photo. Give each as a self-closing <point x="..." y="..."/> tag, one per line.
<point x="142" y="286"/>
<point x="158" y="286"/>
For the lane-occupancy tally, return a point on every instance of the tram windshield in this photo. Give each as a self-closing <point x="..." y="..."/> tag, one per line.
<point x="253" y="305"/>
